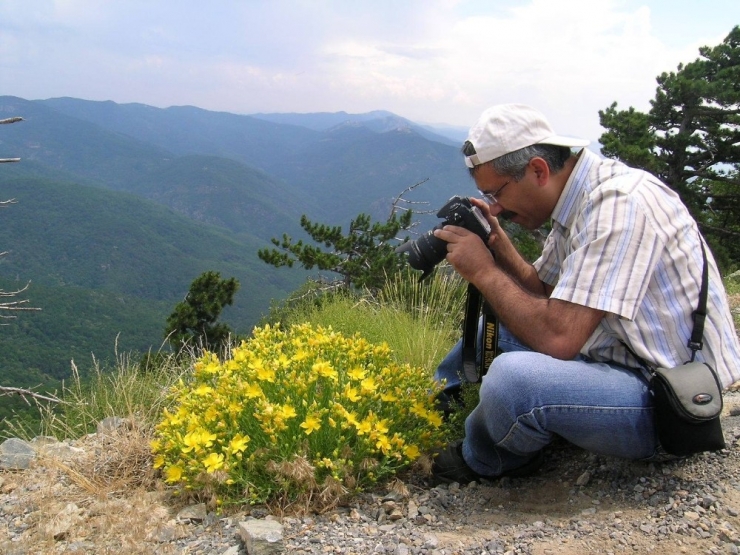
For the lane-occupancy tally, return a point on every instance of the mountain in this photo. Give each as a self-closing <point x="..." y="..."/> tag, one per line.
<point x="379" y="121"/>
<point x="302" y="160"/>
<point x="127" y="261"/>
<point x="121" y="206"/>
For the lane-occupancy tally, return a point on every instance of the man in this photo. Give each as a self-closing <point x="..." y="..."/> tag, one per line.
<point x="619" y="275"/>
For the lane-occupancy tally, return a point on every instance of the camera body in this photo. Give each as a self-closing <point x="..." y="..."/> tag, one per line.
<point x="427" y="251"/>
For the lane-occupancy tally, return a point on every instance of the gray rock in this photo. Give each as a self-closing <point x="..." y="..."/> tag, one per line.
<point x="111" y="424"/>
<point x="262" y="537"/>
<point x="61" y="451"/>
<point x="16" y="454"/>
<point x="194" y="513"/>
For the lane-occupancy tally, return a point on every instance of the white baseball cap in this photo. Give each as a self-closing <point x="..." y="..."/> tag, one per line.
<point x="508" y="127"/>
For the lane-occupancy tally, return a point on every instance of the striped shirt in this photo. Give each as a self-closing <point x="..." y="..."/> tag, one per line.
<point x="623" y="242"/>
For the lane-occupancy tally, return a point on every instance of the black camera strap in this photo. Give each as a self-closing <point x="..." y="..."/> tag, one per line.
<point x="475" y="306"/>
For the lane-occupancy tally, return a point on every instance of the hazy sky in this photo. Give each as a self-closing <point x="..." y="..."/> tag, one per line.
<point x="432" y="61"/>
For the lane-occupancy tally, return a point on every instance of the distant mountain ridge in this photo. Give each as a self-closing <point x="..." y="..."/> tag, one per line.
<point x="377" y="120"/>
<point x="132" y="202"/>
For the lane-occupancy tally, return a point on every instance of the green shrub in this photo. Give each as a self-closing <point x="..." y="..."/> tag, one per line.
<point x="296" y="414"/>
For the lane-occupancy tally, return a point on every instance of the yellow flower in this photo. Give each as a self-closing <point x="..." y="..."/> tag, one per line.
<point x="212" y="413"/>
<point x="213" y="462"/>
<point x="434" y="419"/>
<point x="357" y="373"/>
<point x="212" y="367"/>
<point x="325" y="370"/>
<point x="383" y="444"/>
<point x="419" y="410"/>
<point x="287" y="411"/>
<point x="412" y="452"/>
<point x="382" y="427"/>
<point x="300" y="355"/>
<point x="203" y="390"/>
<point x="173" y="473"/>
<point x="388" y="397"/>
<point x="197" y="439"/>
<point x="352" y="394"/>
<point x="363" y="427"/>
<point x="253" y="391"/>
<point x="311" y="424"/>
<point x="368" y="385"/>
<point x="238" y="443"/>
<point x="159" y="461"/>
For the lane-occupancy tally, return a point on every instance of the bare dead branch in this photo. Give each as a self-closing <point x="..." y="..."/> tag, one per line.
<point x="25" y="393"/>
<point x="399" y="199"/>
<point x="11" y="120"/>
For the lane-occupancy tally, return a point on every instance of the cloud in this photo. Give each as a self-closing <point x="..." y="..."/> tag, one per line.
<point x="429" y="61"/>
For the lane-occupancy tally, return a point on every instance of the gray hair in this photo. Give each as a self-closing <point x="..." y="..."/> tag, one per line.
<point x="514" y="164"/>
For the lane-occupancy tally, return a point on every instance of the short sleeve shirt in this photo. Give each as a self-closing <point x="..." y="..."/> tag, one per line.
<point x="623" y="242"/>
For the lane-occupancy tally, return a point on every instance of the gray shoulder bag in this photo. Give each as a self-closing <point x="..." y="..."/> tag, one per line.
<point x="688" y="398"/>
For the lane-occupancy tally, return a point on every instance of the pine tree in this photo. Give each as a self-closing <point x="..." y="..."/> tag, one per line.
<point x="193" y="322"/>
<point x="690" y="139"/>
<point x="364" y="257"/>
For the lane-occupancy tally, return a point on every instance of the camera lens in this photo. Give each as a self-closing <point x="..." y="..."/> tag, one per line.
<point x="425" y="252"/>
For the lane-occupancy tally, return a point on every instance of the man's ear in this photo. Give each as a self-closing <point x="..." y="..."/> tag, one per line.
<point x="541" y="170"/>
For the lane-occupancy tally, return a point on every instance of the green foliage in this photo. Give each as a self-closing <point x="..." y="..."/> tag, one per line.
<point x="107" y="267"/>
<point x="690" y="138"/>
<point x="305" y="414"/>
<point x="193" y="322"/>
<point x="420" y="321"/>
<point x="363" y="258"/>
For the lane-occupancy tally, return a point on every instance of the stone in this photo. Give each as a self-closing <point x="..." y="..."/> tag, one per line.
<point x="194" y="513"/>
<point x="262" y="537"/>
<point x="16" y="454"/>
<point x="59" y="526"/>
<point x="61" y="451"/>
<point x="111" y="424"/>
<point x="42" y="441"/>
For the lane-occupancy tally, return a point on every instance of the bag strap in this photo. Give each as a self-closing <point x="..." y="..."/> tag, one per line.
<point x="470" y="333"/>
<point x="476" y="305"/>
<point x="700" y="314"/>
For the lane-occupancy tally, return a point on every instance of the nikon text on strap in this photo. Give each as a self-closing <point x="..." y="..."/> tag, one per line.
<point x="474" y="306"/>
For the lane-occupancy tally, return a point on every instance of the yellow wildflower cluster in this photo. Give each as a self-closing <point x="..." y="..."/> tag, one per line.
<point x="335" y="401"/>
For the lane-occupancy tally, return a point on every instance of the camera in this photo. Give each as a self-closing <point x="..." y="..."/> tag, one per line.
<point x="427" y="251"/>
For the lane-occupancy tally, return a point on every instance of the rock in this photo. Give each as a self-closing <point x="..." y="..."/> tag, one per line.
<point x="16" y="454"/>
<point x="262" y="537"/>
<point x="61" y="451"/>
<point x="412" y="510"/>
<point x="112" y="424"/>
<point x="59" y="526"/>
<point x="42" y="441"/>
<point x="194" y="513"/>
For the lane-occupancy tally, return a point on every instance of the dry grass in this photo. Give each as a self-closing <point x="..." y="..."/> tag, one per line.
<point x="106" y="496"/>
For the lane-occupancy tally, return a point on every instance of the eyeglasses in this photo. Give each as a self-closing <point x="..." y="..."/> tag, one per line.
<point x="490" y="198"/>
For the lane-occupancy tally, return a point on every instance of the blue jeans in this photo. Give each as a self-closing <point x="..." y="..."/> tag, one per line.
<point x="526" y="398"/>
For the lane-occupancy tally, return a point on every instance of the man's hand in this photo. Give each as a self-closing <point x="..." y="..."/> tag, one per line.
<point x="467" y="253"/>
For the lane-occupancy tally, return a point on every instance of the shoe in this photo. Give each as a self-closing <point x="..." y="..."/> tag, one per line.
<point x="450" y="466"/>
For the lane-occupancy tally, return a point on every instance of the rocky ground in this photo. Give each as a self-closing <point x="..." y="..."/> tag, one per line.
<point x="577" y="503"/>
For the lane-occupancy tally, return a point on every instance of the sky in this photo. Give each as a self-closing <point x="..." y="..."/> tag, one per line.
<point x="431" y="61"/>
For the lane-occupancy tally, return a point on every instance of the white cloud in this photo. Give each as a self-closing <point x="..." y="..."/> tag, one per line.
<point x="430" y="61"/>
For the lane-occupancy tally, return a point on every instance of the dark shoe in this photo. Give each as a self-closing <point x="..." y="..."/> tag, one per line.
<point x="449" y="466"/>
